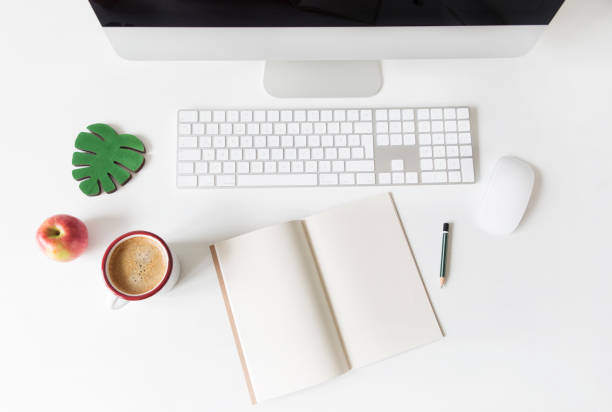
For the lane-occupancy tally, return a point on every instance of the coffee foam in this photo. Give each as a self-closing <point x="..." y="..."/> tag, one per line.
<point x="137" y="265"/>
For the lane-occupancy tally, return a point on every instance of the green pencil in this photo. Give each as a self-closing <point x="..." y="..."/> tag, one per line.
<point x="443" y="259"/>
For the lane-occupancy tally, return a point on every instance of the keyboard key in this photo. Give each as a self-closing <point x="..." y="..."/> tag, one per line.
<point x="362" y="127"/>
<point x="463" y="125"/>
<point x="208" y="154"/>
<point x="310" y="166"/>
<point x="381" y="114"/>
<point x="465" y="138"/>
<point x="426" y="164"/>
<point x="259" y="116"/>
<point x="265" y="128"/>
<point x="284" y="167"/>
<point x="467" y="169"/>
<point x="250" y="154"/>
<point x="424" y="139"/>
<point x="346" y="127"/>
<point x="188" y="141"/>
<point x="300" y="141"/>
<point x="259" y="141"/>
<point x="278" y="180"/>
<point x="425" y="151"/>
<point x="214" y="167"/>
<point x="437" y="138"/>
<point x="317" y="153"/>
<point x="395" y="139"/>
<point x="236" y="154"/>
<point x="287" y="141"/>
<point x="201" y="168"/>
<point x="451" y="138"/>
<point x="297" y="166"/>
<point x="422" y="114"/>
<point x="397" y="178"/>
<point x="452" y="151"/>
<point x="184" y="129"/>
<point x="312" y="115"/>
<point x="333" y="127"/>
<point x="353" y="140"/>
<point x="246" y="141"/>
<point x="465" y="151"/>
<point x="453" y="163"/>
<point x="273" y="116"/>
<point x="273" y="141"/>
<point x="320" y="128"/>
<point x="326" y="116"/>
<point x="299" y="116"/>
<point x="344" y="153"/>
<point x="394" y="114"/>
<point x="186" y="181"/>
<point x="440" y="177"/>
<point x="229" y="167"/>
<point x="212" y="128"/>
<point x="384" y="178"/>
<point x="246" y="116"/>
<point x="218" y="116"/>
<point x="189" y="154"/>
<point x="450" y="125"/>
<point x="324" y="166"/>
<point x="242" y="167"/>
<point x="232" y="141"/>
<point x="205" y="116"/>
<point x="188" y="116"/>
<point x="226" y="180"/>
<point x="424" y="126"/>
<point x="306" y="128"/>
<point x="293" y="128"/>
<point x="286" y="116"/>
<point x="263" y="154"/>
<point x="463" y="113"/>
<point x="397" y="164"/>
<point x="435" y="114"/>
<point x="359" y="166"/>
<point x="395" y="127"/>
<point x="269" y="167"/>
<point x="365" y="178"/>
<point x="276" y="154"/>
<point x="205" y="141"/>
<point x="206" y="181"/>
<point x="198" y="128"/>
<point x="328" y="179"/>
<point x="439" y="151"/>
<point x="352" y="115"/>
<point x="232" y="116"/>
<point x="290" y="154"/>
<point x="340" y="140"/>
<point x="327" y="141"/>
<point x="409" y="139"/>
<point x="339" y="115"/>
<point x="347" y="179"/>
<point x="304" y="154"/>
<point x="280" y="128"/>
<point x="256" y="167"/>
<point x="331" y="153"/>
<point x="365" y="115"/>
<point x="185" y="168"/>
<point x="314" y="140"/>
<point x="407" y="114"/>
<point x="357" y="153"/>
<point x="382" y="140"/>
<point x="222" y="154"/>
<point x="437" y="126"/>
<point x="411" y="178"/>
<point x="219" y="141"/>
<point x="440" y="164"/>
<point x="382" y="127"/>
<point x="454" y="177"/>
<point x="449" y="113"/>
<point x="338" y="166"/>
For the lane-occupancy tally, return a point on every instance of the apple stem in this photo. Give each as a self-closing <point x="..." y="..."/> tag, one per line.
<point x="53" y="232"/>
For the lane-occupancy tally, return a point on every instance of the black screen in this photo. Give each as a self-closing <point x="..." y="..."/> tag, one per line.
<point x="322" y="13"/>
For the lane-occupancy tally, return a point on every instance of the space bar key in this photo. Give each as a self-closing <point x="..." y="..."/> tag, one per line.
<point x="306" y="179"/>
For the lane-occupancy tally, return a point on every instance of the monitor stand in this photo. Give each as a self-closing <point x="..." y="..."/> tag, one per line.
<point x="325" y="78"/>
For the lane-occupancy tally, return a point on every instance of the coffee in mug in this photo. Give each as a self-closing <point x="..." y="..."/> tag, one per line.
<point x="137" y="265"/>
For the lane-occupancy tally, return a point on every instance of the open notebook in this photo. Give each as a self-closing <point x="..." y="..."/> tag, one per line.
<point x="309" y="300"/>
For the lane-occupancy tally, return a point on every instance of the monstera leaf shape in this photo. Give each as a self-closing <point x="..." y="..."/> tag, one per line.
<point x="105" y="154"/>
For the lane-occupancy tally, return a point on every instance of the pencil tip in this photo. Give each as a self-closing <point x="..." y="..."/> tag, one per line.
<point x="442" y="280"/>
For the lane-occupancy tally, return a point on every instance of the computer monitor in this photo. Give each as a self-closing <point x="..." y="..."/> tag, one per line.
<point x="322" y="47"/>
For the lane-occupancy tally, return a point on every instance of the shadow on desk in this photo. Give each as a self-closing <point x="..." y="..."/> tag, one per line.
<point x="195" y="260"/>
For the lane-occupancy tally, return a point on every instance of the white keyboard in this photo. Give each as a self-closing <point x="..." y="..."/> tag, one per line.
<point x="324" y="147"/>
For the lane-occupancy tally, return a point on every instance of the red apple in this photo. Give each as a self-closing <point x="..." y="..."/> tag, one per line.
<point x="62" y="237"/>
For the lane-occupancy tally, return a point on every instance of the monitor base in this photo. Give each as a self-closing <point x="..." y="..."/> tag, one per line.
<point x="323" y="78"/>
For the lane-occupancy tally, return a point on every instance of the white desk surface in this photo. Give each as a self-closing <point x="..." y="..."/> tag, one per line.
<point x="527" y="317"/>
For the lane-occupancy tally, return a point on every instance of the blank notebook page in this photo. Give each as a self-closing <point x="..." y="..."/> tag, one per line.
<point x="372" y="280"/>
<point x="284" y="323"/>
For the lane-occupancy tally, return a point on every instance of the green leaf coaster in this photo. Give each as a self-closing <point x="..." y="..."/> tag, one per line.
<point x="108" y="157"/>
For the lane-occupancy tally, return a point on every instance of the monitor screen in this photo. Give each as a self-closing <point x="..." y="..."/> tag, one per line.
<point x="322" y="13"/>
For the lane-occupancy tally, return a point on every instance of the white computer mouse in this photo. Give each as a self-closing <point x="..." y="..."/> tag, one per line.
<point x="506" y="196"/>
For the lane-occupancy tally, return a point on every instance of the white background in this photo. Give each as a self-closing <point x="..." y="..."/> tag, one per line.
<point x="527" y="317"/>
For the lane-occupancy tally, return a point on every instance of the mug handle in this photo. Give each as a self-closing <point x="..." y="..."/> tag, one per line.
<point x="118" y="303"/>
